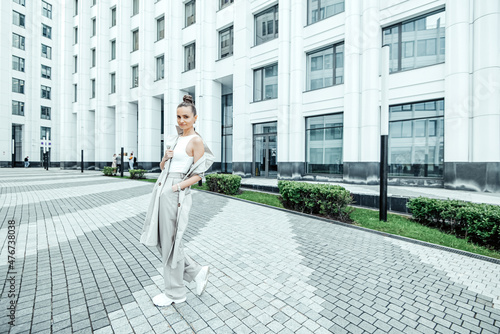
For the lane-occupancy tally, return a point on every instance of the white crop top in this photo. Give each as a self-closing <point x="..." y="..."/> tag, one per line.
<point x="181" y="161"/>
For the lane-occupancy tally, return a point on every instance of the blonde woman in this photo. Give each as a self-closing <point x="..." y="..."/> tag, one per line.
<point x="183" y="164"/>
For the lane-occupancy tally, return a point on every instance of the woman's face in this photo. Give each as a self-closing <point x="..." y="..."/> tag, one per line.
<point x="185" y="118"/>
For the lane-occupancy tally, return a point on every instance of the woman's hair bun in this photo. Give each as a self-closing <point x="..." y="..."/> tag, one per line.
<point x="188" y="99"/>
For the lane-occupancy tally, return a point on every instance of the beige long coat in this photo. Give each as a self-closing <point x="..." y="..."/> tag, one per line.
<point x="150" y="232"/>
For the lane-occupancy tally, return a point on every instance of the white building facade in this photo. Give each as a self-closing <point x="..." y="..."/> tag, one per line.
<point x="284" y="89"/>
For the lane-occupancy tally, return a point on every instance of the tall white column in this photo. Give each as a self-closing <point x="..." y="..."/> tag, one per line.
<point x="369" y="120"/>
<point x="457" y="81"/>
<point x="352" y="85"/>
<point x="174" y="65"/>
<point x="486" y="82"/>
<point x="208" y="92"/>
<point x="242" y="89"/>
<point x="123" y="76"/>
<point x="105" y="116"/>
<point x="284" y="59"/>
<point x="149" y="108"/>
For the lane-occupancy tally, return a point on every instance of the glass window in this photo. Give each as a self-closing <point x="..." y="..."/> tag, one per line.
<point x="46" y="91"/>
<point x="18" y="63"/>
<point x="135" y="7"/>
<point x="416" y="138"/>
<point x="46" y="9"/>
<point x="135" y="40"/>
<point x="225" y="3"/>
<point x="113" y="49"/>
<point x="46" y="72"/>
<point x="75" y="93"/>
<point x="422" y="42"/>
<point x="46" y="31"/>
<point x="190" y="12"/>
<point x="135" y="76"/>
<point x="265" y="83"/>
<point x="76" y="7"/>
<point x="46" y="51"/>
<point x="325" y="67"/>
<point x="227" y="134"/>
<point x="92" y="88"/>
<point x="75" y="64"/>
<point x="75" y="35"/>
<point x="94" y="26"/>
<point x="160" y="28"/>
<point x="21" y="2"/>
<point x="226" y="42"/>
<point x="18" y="108"/>
<point x="113" y="83"/>
<point x="160" y="67"/>
<point x="263" y="128"/>
<point x="92" y="57"/>
<point x="18" y="41"/>
<point x="189" y="54"/>
<point x="266" y="25"/>
<point x="45" y="132"/>
<point x="324" y="143"/>
<point x="321" y="9"/>
<point x="17" y="86"/>
<point x="18" y="19"/>
<point x="113" y="16"/>
<point x="94" y="2"/>
<point x="45" y="112"/>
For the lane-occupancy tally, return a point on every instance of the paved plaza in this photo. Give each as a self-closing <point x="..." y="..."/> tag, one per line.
<point x="78" y="267"/>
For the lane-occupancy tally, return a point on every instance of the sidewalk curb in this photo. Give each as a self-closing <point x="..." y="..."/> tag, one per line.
<point x="385" y="234"/>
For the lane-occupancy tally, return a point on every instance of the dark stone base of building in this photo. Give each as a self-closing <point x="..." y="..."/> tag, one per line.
<point x="475" y="176"/>
<point x="243" y="169"/>
<point x="362" y="172"/>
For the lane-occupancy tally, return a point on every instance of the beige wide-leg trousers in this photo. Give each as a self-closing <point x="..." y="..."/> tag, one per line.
<point x="186" y="268"/>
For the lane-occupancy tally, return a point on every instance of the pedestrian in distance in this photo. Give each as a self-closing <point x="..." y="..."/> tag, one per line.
<point x="26" y="162"/>
<point x="131" y="160"/>
<point x="119" y="163"/>
<point x="184" y="163"/>
<point x="113" y="164"/>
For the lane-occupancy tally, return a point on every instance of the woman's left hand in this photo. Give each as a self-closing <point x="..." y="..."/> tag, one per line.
<point x="174" y="188"/>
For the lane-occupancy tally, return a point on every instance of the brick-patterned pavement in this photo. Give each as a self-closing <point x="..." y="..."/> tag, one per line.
<point x="79" y="268"/>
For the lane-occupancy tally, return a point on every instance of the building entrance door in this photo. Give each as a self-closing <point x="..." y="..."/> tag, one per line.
<point x="265" y="155"/>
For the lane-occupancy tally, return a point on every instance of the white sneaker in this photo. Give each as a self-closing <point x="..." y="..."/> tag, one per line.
<point x="163" y="300"/>
<point x="202" y="279"/>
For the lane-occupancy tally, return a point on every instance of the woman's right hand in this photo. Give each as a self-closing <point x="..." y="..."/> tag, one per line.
<point x="168" y="154"/>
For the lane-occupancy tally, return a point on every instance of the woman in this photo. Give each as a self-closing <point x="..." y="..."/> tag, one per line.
<point x="183" y="164"/>
<point x="113" y="164"/>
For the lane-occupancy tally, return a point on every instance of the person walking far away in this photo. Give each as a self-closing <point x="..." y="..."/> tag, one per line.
<point x="26" y="162"/>
<point x="119" y="163"/>
<point x="184" y="163"/>
<point x="113" y="164"/>
<point x="131" y="160"/>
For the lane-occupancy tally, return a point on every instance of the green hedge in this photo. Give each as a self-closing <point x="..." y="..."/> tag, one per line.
<point x="109" y="171"/>
<point x="479" y="223"/>
<point x="137" y="173"/>
<point x="327" y="200"/>
<point x="228" y="184"/>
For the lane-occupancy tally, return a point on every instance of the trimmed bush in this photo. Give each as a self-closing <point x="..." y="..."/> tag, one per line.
<point x="109" y="171"/>
<point x="137" y="173"/>
<point x="479" y="223"/>
<point x="228" y="184"/>
<point x="331" y="201"/>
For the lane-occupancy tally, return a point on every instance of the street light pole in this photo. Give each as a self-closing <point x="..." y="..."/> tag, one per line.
<point x="384" y="131"/>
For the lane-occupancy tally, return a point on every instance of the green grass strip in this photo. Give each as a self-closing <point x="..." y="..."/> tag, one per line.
<point x="405" y="227"/>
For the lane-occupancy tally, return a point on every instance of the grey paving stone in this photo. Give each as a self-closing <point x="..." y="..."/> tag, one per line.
<point x="344" y="273"/>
